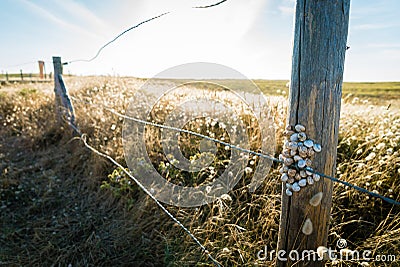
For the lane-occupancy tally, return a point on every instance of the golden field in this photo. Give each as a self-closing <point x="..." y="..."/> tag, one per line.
<point x="60" y="204"/>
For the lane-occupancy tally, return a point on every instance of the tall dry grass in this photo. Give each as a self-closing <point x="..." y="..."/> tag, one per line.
<point x="125" y="227"/>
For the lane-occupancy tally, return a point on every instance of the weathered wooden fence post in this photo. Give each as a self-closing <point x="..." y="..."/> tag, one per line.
<point x="64" y="108"/>
<point x="41" y="68"/>
<point x="320" y="37"/>
<point x="6" y="76"/>
<point x="57" y="88"/>
<point x="21" y="74"/>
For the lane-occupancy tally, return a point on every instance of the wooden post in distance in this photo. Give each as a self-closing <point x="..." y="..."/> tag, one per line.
<point x="64" y="107"/>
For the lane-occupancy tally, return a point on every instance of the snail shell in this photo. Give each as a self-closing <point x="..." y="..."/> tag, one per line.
<point x="288" y="133"/>
<point x="293" y="145"/>
<point x="301" y="136"/>
<point x="284" y="177"/>
<point x="295" y="187"/>
<point x="302" y="182"/>
<point x="291" y="180"/>
<point x="294" y="137"/>
<point x="297" y="158"/>
<point x="301" y="163"/>
<point x="303" y="154"/>
<point x="292" y="172"/>
<point x="300" y="128"/>
<point x="293" y="153"/>
<point x="286" y="153"/>
<point x="297" y="177"/>
<point x="289" y="128"/>
<point x="316" y="199"/>
<point x="286" y="144"/>
<point x="288" y="161"/>
<point x="316" y="177"/>
<point x="310" y="180"/>
<point x="303" y="173"/>
<point x="300" y="144"/>
<point x="307" y="228"/>
<point x="309" y="143"/>
<point x="288" y="192"/>
<point x="310" y="152"/>
<point x="284" y="169"/>
<point x="302" y="149"/>
<point x="308" y="162"/>
<point x="317" y="147"/>
<point x="309" y="172"/>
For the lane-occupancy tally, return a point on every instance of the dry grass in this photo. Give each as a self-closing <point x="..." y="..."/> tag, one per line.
<point x="62" y="205"/>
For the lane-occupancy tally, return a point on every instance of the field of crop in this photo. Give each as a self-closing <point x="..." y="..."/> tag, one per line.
<point x="62" y="205"/>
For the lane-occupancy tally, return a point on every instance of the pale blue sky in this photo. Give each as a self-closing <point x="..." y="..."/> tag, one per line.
<point x="253" y="37"/>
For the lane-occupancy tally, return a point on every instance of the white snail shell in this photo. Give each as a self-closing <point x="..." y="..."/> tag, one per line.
<point x="317" y="147"/>
<point x="294" y="137"/>
<point x="295" y="187"/>
<point x="288" y="192"/>
<point x="302" y="182"/>
<point x="297" y="158"/>
<point x="303" y="173"/>
<point x="293" y="145"/>
<point x="284" y="177"/>
<point x="301" y="163"/>
<point x="307" y="228"/>
<point x="316" y="199"/>
<point x="301" y="136"/>
<point x="308" y="143"/>
<point x="316" y="177"/>
<point x="288" y="161"/>
<point x="300" y="128"/>
<point x="298" y="150"/>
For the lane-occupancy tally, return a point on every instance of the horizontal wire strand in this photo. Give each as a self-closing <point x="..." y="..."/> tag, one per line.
<point x="260" y="154"/>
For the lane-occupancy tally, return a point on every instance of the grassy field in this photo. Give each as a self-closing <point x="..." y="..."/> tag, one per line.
<point x="61" y="205"/>
<point x="373" y="91"/>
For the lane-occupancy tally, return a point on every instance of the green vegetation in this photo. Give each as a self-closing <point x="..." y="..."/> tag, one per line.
<point x="382" y="90"/>
<point x="27" y="91"/>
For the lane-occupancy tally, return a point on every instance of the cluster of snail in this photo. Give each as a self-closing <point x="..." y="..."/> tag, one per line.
<point x="296" y="156"/>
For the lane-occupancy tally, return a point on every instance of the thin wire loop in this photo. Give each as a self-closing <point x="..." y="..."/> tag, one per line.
<point x="84" y="140"/>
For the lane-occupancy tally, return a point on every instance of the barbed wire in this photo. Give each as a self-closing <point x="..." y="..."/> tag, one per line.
<point x="115" y="38"/>
<point x="260" y="154"/>
<point x="213" y="5"/>
<point x="21" y="64"/>
<point x="84" y="140"/>
<point x="134" y="27"/>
